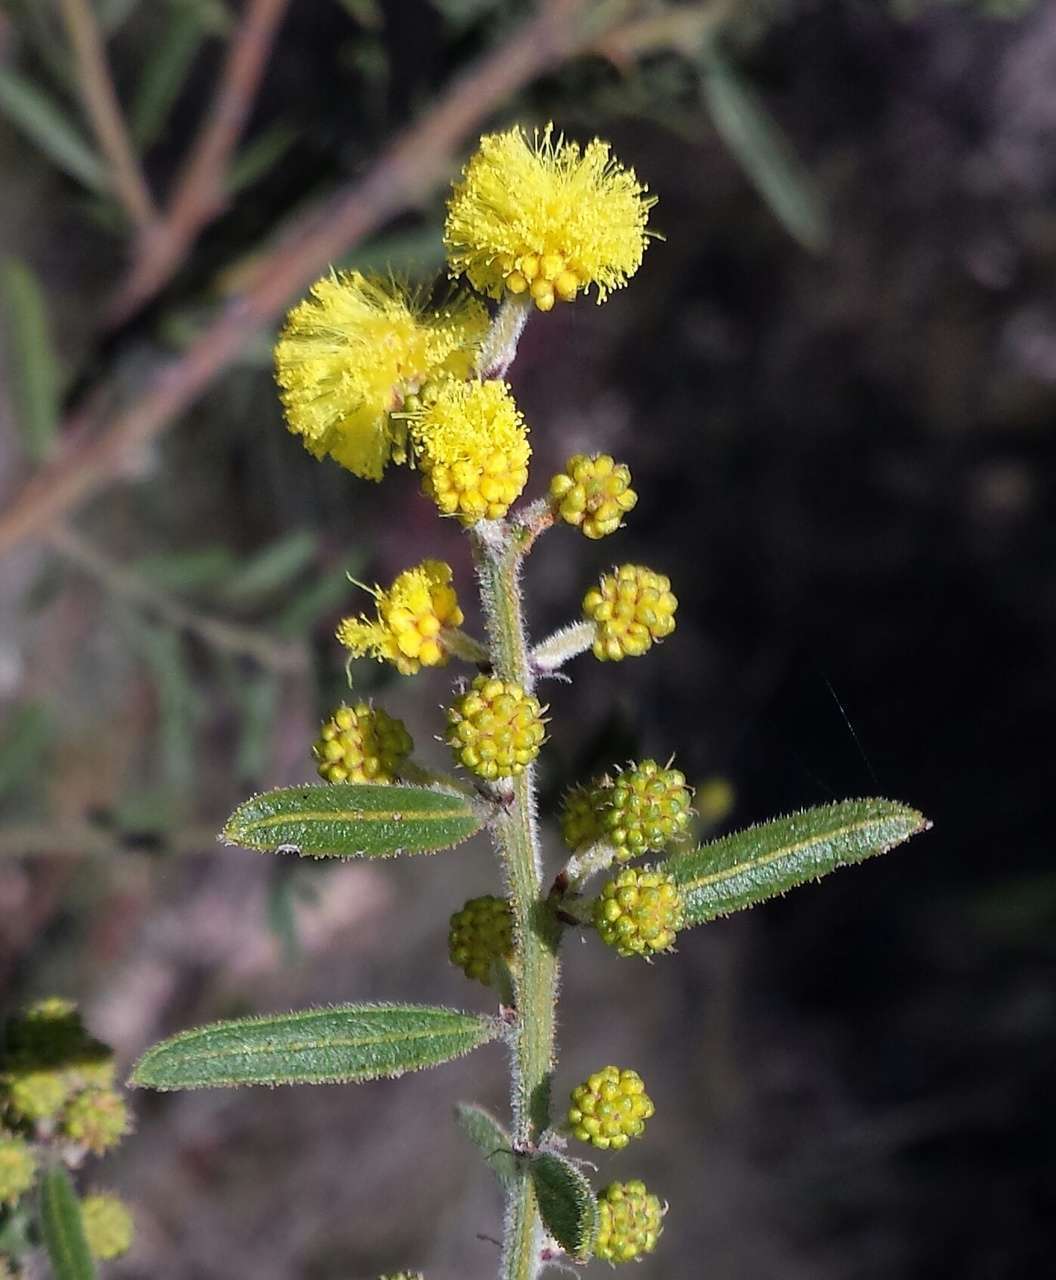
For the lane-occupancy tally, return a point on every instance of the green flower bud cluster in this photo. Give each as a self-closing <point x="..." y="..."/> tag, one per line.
<point x="632" y="607"/>
<point x="610" y="1108"/>
<point x="108" y="1226"/>
<point x="362" y="744"/>
<point x="593" y="494"/>
<point x="481" y="933"/>
<point x="645" y="807"/>
<point x="49" y="1058"/>
<point x="18" y="1168"/>
<point x="630" y="1221"/>
<point x="638" y="912"/>
<point x="495" y="728"/>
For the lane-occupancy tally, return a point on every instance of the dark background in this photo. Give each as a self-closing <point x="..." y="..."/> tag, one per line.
<point x="845" y="462"/>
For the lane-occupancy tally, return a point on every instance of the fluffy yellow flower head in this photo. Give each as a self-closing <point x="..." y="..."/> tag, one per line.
<point x="349" y="354"/>
<point x="472" y="446"/>
<point x="547" y="217"/>
<point x="410" y="617"/>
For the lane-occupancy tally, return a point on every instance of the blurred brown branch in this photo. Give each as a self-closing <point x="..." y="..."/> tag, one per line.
<point x="73" y="839"/>
<point x="200" y="192"/>
<point x="416" y="161"/>
<point x="104" y="112"/>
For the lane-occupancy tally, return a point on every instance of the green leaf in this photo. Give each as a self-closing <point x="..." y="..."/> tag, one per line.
<point x="260" y="156"/>
<point x="567" y="1203"/>
<point x="349" y="1043"/>
<point x="346" y="820"/>
<point x="32" y="368"/>
<point x="27" y="736"/>
<point x="165" y="71"/>
<point x="764" y="152"/>
<point x="763" y="861"/>
<point x="273" y="567"/>
<point x="490" y="1139"/>
<point x="30" y="109"/>
<point x="62" y="1228"/>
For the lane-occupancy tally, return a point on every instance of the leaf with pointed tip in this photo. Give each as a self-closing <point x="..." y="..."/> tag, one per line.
<point x="32" y="367"/>
<point x="746" y="868"/>
<point x="347" y="820"/>
<point x="62" y="1228"/>
<point x="347" y="1044"/>
<point x="490" y="1139"/>
<point x="567" y="1204"/>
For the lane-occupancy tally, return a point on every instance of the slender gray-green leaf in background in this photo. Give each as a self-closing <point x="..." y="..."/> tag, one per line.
<point x="490" y="1139"/>
<point x="761" y="862"/>
<point x="26" y="736"/>
<point x="349" y="1043"/>
<point x="164" y="72"/>
<point x="764" y="152"/>
<point x="567" y="1204"/>
<point x="115" y="13"/>
<point x="45" y="123"/>
<point x="62" y="1228"/>
<point x="187" y="571"/>
<point x="29" y="358"/>
<point x="273" y="567"/>
<point x="260" y="156"/>
<point x="346" y="820"/>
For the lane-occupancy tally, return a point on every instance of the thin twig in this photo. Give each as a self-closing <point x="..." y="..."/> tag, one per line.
<point x="201" y="189"/>
<point x="417" y="160"/>
<point x="104" y="113"/>
<point x="228" y="637"/>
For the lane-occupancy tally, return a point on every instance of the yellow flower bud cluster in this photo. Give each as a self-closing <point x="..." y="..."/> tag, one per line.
<point x="108" y="1226"/>
<point x="411" y="616"/>
<point x="362" y="744"/>
<point x="630" y="1221"/>
<point x="632" y="607"/>
<point x="96" y="1119"/>
<point x="472" y="446"/>
<point x="580" y="816"/>
<point x="610" y="1108"/>
<point x="49" y="1057"/>
<point x="481" y="933"/>
<point x="638" y="912"/>
<point x="644" y="807"/>
<point x="18" y="1168"/>
<point x="593" y="494"/>
<point x="495" y="728"/>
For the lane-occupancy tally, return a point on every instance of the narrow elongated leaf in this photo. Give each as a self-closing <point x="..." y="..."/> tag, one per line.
<point x="349" y="1043"/>
<point x="165" y="71"/>
<point x="761" y="862"/>
<point x="32" y="369"/>
<point x="275" y="566"/>
<point x="344" y="820"/>
<point x="30" y="109"/>
<point x="567" y="1204"/>
<point x="764" y="153"/>
<point x="62" y="1228"/>
<point x="260" y="156"/>
<point x="490" y="1139"/>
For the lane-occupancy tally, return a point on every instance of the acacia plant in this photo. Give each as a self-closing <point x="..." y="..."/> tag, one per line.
<point x="371" y="375"/>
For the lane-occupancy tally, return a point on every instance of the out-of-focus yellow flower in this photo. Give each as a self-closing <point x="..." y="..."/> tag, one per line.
<point x="472" y="446"/>
<point x="351" y="352"/>
<point x="546" y="217"/>
<point x="410" y="618"/>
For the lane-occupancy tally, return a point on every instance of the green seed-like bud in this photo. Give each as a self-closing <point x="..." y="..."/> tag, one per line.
<point x="610" y="1108"/>
<point x="481" y="933"/>
<point x="639" y="912"/>
<point x="647" y="807"/>
<point x="18" y="1168"/>
<point x="632" y="607"/>
<point x="630" y="1221"/>
<point x="593" y="494"/>
<point x="580" y="815"/>
<point x="96" y="1118"/>
<point x="37" y="1095"/>
<point x="495" y="728"/>
<point x="362" y="744"/>
<point x="108" y="1226"/>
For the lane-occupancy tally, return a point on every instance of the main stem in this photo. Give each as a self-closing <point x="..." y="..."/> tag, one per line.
<point x="499" y="558"/>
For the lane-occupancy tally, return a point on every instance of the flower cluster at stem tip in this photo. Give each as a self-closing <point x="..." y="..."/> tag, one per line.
<point x="411" y="617"/>
<point x="632" y="608"/>
<point x="593" y="494"/>
<point x="610" y="1108"/>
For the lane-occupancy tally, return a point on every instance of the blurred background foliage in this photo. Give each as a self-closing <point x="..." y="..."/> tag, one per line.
<point x="835" y="383"/>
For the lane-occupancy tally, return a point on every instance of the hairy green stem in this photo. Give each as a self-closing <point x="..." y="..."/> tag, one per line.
<point x="499" y="551"/>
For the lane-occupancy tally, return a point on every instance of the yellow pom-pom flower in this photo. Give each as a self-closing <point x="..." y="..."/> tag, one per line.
<point x="593" y="494"/>
<point x="630" y="1221"/>
<point x="639" y="912"/>
<point x="610" y="1108"/>
<point x="495" y="728"/>
<point x="18" y="1168"/>
<point x="108" y="1226"/>
<point x="362" y="744"/>
<point x="352" y="351"/>
<point x="480" y="934"/>
<point x="472" y="446"/>
<point x="632" y="607"/>
<point x="96" y="1118"/>
<point x="411" y="617"/>
<point x="545" y="217"/>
